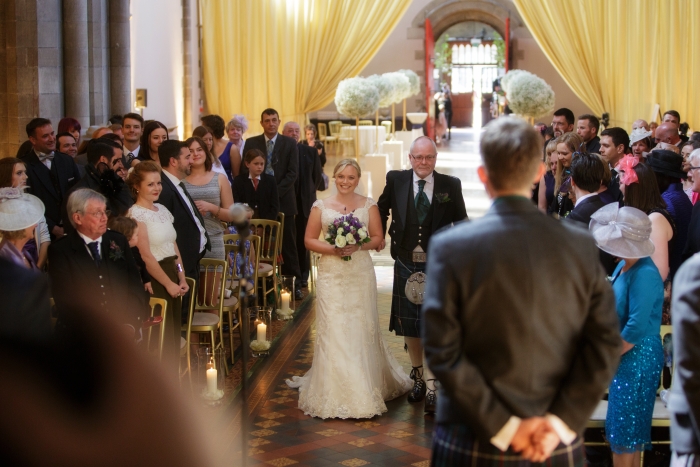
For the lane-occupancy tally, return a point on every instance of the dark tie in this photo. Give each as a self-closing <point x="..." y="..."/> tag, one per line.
<point x="422" y="203"/>
<point x="95" y="252"/>
<point x="268" y="167"/>
<point x="255" y="184"/>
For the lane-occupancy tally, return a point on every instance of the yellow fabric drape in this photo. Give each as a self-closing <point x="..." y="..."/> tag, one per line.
<point x="623" y="56"/>
<point x="288" y="54"/>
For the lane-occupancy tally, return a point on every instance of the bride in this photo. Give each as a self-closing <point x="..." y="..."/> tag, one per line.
<point x="353" y="372"/>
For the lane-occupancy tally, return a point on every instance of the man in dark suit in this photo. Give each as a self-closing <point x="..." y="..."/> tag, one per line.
<point x="521" y="364"/>
<point x="192" y="239"/>
<point x="587" y="128"/>
<point x="614" y="144"/>
<point x="309" y="178"/>
<point x="51" y="173"/>
<point x="684" y="399"/>
<point x="101" y="177"/>
<point x="92" y="268"/>
<point x="587" y="171"/>
<point x="421" y="202"/>
<point x="283" y="163"/>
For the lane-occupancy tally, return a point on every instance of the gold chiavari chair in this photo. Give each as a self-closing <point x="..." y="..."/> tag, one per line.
<point x="162" y="306"/>
<point x="366" y="123"/>
<point x="270" y="233"/>
<point x="330" y="141"/>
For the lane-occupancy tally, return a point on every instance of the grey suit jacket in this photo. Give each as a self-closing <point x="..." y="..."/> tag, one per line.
<point x="684" y="400"/>
<point x="516" y="323"/>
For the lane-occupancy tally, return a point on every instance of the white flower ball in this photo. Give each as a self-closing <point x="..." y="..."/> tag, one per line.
<point x="356" y="97"/>
<point x="400" y="84"/>
<point x="413" y="79"/>
<point x="530" y="96"/>
<point x="384" y="88"/>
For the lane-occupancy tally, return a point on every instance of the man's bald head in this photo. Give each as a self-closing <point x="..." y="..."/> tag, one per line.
<point x="640" y="124"/>
<point x="667" y="133"/>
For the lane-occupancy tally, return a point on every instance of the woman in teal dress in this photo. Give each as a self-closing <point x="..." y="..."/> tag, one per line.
<point x="639" y="294"/>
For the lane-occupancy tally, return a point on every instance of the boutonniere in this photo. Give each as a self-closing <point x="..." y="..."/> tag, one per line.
<point x="442" y="197"/>
<point x="115" y="252"/>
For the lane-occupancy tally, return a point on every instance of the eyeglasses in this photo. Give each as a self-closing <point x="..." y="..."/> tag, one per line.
<point x="692" y="168"/>
<point x="423" y="158"/>
<point x="98" y="214"/>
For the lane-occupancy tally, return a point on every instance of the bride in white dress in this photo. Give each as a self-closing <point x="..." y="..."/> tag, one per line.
<point x="353" y="372"/>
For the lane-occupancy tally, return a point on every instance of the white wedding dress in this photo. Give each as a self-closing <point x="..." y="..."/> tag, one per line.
<point x="353" y="372"/>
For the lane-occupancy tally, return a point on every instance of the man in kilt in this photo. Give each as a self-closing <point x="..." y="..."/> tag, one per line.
<point x="421" y="202"/>
<point x="519" y="329"/>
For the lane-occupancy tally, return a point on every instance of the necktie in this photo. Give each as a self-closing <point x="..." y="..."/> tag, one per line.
<point x="422" y="203"/>
<point x="255" y="184"/>
<point x="268" y="167"/>
<point x="95" y="252"/>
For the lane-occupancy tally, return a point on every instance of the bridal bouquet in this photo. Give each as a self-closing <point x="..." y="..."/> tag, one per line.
<point x="347" y="230"/>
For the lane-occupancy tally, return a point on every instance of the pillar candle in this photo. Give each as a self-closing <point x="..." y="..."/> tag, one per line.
<point x="285" y="301"/>
<point x="211" y="381"/>
<point x="262" y="330"/>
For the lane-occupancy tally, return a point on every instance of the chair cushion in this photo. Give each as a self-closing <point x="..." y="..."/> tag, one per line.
<point x="204" y="319"/>
<point x="183" y="342"/>
<point x="600" y="411"/>
<point x="230" y="302"/>
<point x="265" y="269"/>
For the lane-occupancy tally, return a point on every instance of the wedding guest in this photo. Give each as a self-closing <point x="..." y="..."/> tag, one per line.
<point x="158" y="247"/>
<point x="692" y="245"/>
<point x="604" y="192"/>
<point x="640" y="142"/>
<point x="687" y="148"/>
<point x="211" y="193"/>
<point x="20" y="213"/>
<point x="640" y="123"/>
<point x="72" y="126"/>
<point x="13" y="174"/>
<point x="567" y="145"/>
<point x="118" y="130"/>
<point x="51" y="173"/>
<point x="562" y="121"/>
<point x="92" y="133"/>
<point x="257" y="189"/>
<point x="614" y="142"/>
<point x="640" y="190"/>
<point x="67" y="144"/>
<point x="154" y="133"/>
<point x="639" y="294"/>
<point x="217" y="126"/>
<point x="311" y="135"/>
<point x="667" y="133"/>
<point x="671" y="116"/>
<point x="233" y="152"/>
<point x="652" y="127"/>
<point x="481" y="308"/>
<point x="546" y="196"/>
<point x="282" y="162"/>
<point x="130" y="229"/>
<point x="205" y="135"/>
<point x="587" y="128"/>
<point x="132" y="127"/>
<point x="668" y="168"/>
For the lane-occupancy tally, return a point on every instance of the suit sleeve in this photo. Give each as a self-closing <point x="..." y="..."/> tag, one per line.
<point x="384" y="202"/>
<point x="274" y="199"/>
<point x="286" y="186"/>
<point x="596" y="358"/>
<point x="686" y="335"/>
<point x="317" y="179"/>
<point x="442" y="341"/>
<point x="60" y="274"/>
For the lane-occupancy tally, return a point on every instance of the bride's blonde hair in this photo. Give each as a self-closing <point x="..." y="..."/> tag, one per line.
<point x="346" y="162"/>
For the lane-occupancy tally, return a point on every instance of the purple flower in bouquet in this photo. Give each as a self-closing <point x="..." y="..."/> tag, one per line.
<point x="347" y="230"/>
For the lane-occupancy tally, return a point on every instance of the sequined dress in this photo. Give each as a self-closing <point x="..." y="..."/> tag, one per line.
<point x="353" y="372"/>
<point x="632" y="392"/>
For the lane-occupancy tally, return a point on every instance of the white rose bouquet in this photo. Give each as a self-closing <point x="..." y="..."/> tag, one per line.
<point x="347" y="230"/>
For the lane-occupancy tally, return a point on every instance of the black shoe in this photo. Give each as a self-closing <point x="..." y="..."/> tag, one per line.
<point x="304" y="285"/>
<point x="298" y="295"/>
<point x="431" y="399"/>
<point x="418" y="392"/>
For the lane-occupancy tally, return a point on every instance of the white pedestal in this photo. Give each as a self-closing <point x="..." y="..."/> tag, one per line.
<point x="407" y="138"/>
<point x="396" y="156"/>
<point x="374" y="169"/>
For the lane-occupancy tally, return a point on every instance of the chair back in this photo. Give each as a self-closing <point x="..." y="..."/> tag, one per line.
<point x="322" y="130"/>
<point x="270" y="233"/>
<point x="193" y="293"/>
<point x="161" y="306"/>
<point x="212" y="282"/>
<point x="387" y="124"/>
<point x="335" y="127"/>
<point x="365" y="122"/>
<point x="236" y="254"/>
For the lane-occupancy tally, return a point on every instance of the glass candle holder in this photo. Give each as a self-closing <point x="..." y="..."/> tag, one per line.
<point x="261" y="331"/>
<point x="210" y="374"/>
<point x="287" y="302"/>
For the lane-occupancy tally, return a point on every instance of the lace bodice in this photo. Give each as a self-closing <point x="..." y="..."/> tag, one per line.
<point x="159" y="225"/>
<point x="329" y="215"/>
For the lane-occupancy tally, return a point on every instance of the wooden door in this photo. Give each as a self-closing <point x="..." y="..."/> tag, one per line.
<point x="462" y="109"/>
<point x="429" y="82"/>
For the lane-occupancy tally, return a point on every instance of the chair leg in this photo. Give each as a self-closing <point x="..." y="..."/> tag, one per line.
<point x="230" y="333"/>
<point x="189" y="363"/>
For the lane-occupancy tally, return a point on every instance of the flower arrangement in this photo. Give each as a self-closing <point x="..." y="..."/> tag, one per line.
<point x="115" y="252"/>
<point x="356" y="97"/>
<point x="414" y="80"/>
<point x="384" y="88"/>
<point x="400" y="84"/>
<point x="347" y="230"/>
<point x="505" y="80"/>
<point x="259" y="346"/>
<point x="529" y="95"/>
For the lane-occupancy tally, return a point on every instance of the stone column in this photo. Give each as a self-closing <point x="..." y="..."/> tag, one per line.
<point x="75" y="61"/>
<point x="119" y="57"/>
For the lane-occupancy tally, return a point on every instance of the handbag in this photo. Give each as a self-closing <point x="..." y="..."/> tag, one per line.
<point x="415" y="287"/>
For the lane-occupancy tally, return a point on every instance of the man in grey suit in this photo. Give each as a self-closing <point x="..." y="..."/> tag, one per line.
<point x="521" y="332"/>
<point x="684" y="400"/>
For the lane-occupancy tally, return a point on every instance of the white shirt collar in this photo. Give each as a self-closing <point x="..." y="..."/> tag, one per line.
<point x="176" y="181"/>
<point x="274" y="138"/>
<point x="428" y="180"/>
<point x="87" y="240"/>
<point x="251" y="177"/>
<point x="578" y="201"/>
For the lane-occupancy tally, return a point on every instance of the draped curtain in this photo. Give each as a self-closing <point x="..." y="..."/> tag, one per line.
<point x="623" y="56"/>
<point x="288" y="54"/>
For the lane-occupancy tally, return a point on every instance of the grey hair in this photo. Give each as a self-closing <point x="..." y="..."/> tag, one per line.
<point x="694" y="157"/>
<point x="422" y="138"/>
<point x="238" y="121"/>
<point x="78" y="200"/>
<point x="284" y="128"/>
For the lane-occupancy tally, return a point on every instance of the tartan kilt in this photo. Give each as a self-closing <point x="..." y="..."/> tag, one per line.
<point x="405" y="316"/>
<point x="456" y="445"/>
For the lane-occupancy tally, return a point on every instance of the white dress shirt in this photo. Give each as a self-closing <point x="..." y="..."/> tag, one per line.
<point x="87" y="240"/>
<point x="135" y="152"/>
<point x="185" y="198"/>
<point x="251" y="178"/>
<point x="427" y="189"/>
<point x="46" y="162"/>
<point x="274" y="140"/>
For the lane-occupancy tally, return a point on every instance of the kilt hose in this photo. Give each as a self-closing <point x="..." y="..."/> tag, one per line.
<point x="456" y="445"/>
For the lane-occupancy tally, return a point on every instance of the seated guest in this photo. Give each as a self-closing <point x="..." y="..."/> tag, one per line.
<point x="92" y="269"/>
<point x="211" y="193"/>
<point x="154" y="133"/>
<point x="157" y="245"/>
<point x="545" y="194"/>
<point x="51" y="173"/>
<point x="19" y="215"/>
<point x="587" y="171"/>
<point x="587" y="128"/>
<point x="640" y="142"/>
<point x="257" y="189"/>
<point x="204" y="134"/>
<point x="692" y="244"/>
<point x="13" y="174"/>
<point x="668" y="168"/>
<point x="311" y="135"/>
<point x="640" y="190"/>
<point x="567" y="145"/>
<point x="639" y="293"/>
<point x="130" y="229"/>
